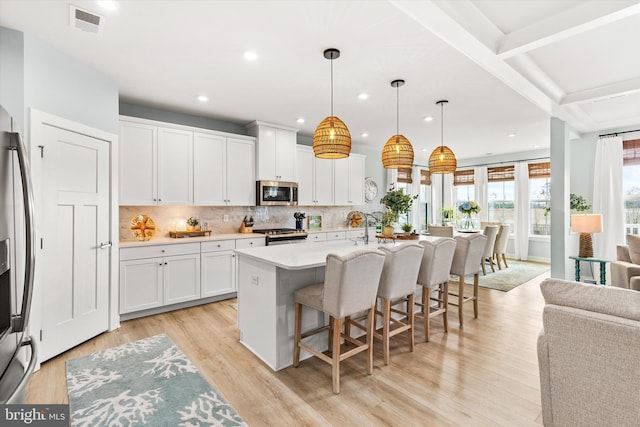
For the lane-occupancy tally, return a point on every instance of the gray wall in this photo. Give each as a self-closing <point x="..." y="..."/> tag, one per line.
<point x="12" y="73"/>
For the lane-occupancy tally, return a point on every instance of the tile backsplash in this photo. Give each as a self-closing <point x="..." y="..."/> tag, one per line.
<point x="165" y="217"/>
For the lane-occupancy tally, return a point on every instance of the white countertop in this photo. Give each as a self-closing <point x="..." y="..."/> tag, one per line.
<point x="170" y="240"/>
<point x="299" y="256"/>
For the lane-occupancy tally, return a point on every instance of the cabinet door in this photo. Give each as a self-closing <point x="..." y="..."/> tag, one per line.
<point x="304" y="176"/>
<point x="267" y="153"/>
<point x="218" y="273"/>
<point x="209" y="169"/>
<point x="181" y="278"/>
<point x="241" y="184"/>
<point x="140" y="284"/>
<point x="175" y="167"/>
<point x="356" y="180"/>
<point x="138" y="164"/>
<point x="323" y="181"/>
<point x="285" y="155"/>
<point x="341" y="181"/>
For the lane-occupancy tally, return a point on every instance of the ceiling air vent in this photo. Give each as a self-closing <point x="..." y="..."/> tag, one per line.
<point x="85" y="21"/>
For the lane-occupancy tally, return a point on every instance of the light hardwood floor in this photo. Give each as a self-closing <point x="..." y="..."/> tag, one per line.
<point x="483" y="375"/>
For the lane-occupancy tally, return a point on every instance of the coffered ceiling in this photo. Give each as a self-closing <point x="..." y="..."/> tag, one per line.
<point x="505" y="66"/>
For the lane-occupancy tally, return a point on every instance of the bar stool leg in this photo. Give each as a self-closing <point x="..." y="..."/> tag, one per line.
<point x="411" y="321"/>
<point x="298" y="332"/>
<point x="335" y="368"/>
<point x="461" y="299"/>
<point x="370" y="328"/>
<point x="386" y="325"/>
<point x="475" y="295"/>
<point x="445" y="320"/>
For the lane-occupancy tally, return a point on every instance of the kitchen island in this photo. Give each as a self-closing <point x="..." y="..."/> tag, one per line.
<point x="267" y="280"/>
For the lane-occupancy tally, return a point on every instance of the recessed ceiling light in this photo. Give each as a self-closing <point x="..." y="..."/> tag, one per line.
<point x="363" y="96"/>
<point x="428" y="119"/>
<point x="108" y="4"/>
<point x="511" y="135"/>
<point x="364" y="134"/>
<point x="300" y="120"/>
<point x="203" y="98"/>
<point x="488" y="154"/>
<point x="424" y="149"/>
<point x="250" y="56"/>
<point x="536" y="146"/>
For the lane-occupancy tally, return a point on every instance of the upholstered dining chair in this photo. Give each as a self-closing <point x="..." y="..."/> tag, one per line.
<point x="468" y="254"/>
<point x="434" y="275"/>
<point x="491" y="231"/>
<point x="350" y="286"/>
<point x="500" y="248"/>
<point x="441" y="230"/>
<point x="397" y="286"/>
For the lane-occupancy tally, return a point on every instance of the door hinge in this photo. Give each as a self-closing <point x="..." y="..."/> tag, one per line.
<point x="40" y="334"/>
<point x="41" y="147"/>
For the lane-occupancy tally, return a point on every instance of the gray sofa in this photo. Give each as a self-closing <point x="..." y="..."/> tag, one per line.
<point x="624" y="272"/>
<point x="589" y="355"/>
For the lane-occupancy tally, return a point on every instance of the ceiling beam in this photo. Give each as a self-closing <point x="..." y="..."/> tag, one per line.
<point x="584" y="17"/>
<point x="604" y="92"/>
<point x="437" y="21"/>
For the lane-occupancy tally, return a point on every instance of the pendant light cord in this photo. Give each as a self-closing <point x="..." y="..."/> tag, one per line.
<point x="442" y="128"/>
<point x="397" y="111"/>
<point x="331" y="85"/>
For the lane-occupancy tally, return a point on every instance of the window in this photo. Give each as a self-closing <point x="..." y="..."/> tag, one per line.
<point x="539" y="198"/>
<point x="423" y="200"/>
<point x="405" y="183"/>
<point x="501" y="188"/>
<point x="631" y="185"/>
<point x="464" y="185"/>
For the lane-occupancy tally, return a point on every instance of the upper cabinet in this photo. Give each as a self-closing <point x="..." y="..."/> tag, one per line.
<point x="178" y="165"/>
<point x="348" y="188"/>
<point x="314" y="177"/>
<point x="275" y="151"/>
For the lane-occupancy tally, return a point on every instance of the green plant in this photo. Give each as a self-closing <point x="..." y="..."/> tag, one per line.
<point x="576" y="203"/>
<point x="397" y="201"/>
<point x="193" y="221"/>
<point x="388" y="217"/>
<point x="447" y="212"/>
<point x="407" y="227"/>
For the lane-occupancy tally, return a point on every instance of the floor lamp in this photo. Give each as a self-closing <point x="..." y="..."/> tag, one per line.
<point x="585" y="224"/>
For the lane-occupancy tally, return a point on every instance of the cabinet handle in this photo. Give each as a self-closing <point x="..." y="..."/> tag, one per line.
<point x="165" y="263"/>
<point x="155" y="200"/>
<point x="159" y="200"/>
<point x="162" y="250"/>
<point x="160" y="264"/>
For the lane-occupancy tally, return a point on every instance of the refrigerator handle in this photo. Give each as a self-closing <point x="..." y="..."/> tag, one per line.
<point x="25" y="377"/>
<point x="19" y="322"/>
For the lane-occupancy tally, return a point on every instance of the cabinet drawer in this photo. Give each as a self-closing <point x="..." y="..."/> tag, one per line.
<point x="250" y="243"/>
<point x="336" y="235"/>
<point x="159" y="251"/>
<point x="355" y="233"/>
<point x="317" y="237"/>
<point x="218" y="245"/>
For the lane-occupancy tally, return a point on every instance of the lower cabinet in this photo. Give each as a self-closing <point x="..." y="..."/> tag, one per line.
<point x="181" y="278"/>
<point x="218" y="268"/>
<point x="141" y="284"/>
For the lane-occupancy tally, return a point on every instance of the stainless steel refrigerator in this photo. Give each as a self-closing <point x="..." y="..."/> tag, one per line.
<point x="17" y="263"/>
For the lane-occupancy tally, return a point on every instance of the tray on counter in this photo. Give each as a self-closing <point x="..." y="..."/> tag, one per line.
<point x="195" y="233"/>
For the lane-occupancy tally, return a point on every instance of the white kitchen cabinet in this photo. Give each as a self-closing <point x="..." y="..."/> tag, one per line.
<point x="314" y="177"/>
<point x="138" y="164"/>
<point x="349" y="180"/>
<point x="275" y="151"/>
<point x="317" y="237"/>
<point x="153" y="276"/>
<point x="336" y="235"/>
<point x="223" y="171"/>
<point x="175" y="167"/>
<point x="218" y="273"/>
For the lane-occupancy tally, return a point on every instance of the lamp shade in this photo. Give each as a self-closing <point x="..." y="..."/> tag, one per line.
<point x="442" y="160"/>
<point x="397" y="153"/>
<point x="332" y="139"/>
<point x="586" y="223"/>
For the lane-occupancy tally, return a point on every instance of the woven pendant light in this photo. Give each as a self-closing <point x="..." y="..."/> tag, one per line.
<point x="442" y="159"/>
<point x="397" y="153"/>
<point x="331" y="139"/>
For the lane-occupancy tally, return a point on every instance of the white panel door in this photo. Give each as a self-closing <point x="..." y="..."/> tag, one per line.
<point x="285" y="155"/>
<point x="140" y="284"/>
<point x="218" y="273"/>
<point x="304" y="176"/>
<point x="138" y="162"/>
<point x="209" y="169"/>
<point x="75" y="271"/>
<point x="175" y="167"/>
<point x="181" y="278"/>
<point x="241" y="184"/>
<point x="323" y="181"/>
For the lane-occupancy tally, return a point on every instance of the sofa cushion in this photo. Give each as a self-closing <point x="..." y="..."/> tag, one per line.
<point x="601" y="299"/>
<point x="634" y="248"/>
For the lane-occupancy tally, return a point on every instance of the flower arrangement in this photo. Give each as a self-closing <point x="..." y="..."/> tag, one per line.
<point x="468" y="208"/>
<point x="193" y="221"/>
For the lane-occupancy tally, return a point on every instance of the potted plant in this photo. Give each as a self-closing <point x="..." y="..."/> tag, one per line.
<point x="387" y="218"/>
<point x="576" y="203"/>
<point x="192" y="223"/>
<point x="397" y="202"/>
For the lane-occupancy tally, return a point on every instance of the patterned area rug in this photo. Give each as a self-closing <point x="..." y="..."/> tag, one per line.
<point x="519" y="272"/>
<point x="147" y="382"/>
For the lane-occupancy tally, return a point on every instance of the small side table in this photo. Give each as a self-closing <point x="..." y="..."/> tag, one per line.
<point x="603" y="265"/>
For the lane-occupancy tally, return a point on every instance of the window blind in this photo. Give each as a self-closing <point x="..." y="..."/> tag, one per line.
<point x="631" y="152"/>
<point x="425" y="177"/>
<point x="463" y="177"/>
<point x="540" y="170"/>
<point x="404" y="175"/>
<point x="501" y="173"/>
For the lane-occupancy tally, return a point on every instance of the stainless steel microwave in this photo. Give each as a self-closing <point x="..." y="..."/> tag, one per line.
<point x="276" y="193"/>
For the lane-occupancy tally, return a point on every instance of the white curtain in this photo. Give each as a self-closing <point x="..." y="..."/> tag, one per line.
<point x="521" y="232"/>
<point x="438" y="199"/>
<point x="481" y="191"/>
<point x="608" y="198"/>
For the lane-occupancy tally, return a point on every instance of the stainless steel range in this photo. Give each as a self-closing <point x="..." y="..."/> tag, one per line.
<point x="282" y="236"/>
